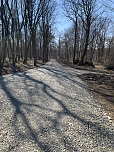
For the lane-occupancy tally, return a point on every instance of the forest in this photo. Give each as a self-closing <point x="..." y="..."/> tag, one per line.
<point x="56" y="87"/>
<point x="27" y="32"/>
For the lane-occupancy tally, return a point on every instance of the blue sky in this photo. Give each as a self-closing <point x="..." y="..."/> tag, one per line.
<point x="62" y="21"/>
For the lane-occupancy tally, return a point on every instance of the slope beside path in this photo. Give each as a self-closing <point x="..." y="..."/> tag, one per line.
<point x="50" y="109"/>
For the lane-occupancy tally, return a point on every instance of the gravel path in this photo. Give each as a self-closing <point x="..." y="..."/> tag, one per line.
<point x="50" y="109"/>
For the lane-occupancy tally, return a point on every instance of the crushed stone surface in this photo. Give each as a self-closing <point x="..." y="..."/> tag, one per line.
<point x="50" y="109"/>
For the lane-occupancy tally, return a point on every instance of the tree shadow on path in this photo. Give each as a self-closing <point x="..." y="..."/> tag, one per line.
<point x="43" y="145"/>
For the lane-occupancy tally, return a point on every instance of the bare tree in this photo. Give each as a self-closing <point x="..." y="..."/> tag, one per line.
<point x="88" y="17"/>
<point x="109" y="4"/>
<point x="5" y="32"/>
<point x="84" y="10"/>
<point x="47" y="22"/>
<point x="71" y="8"/>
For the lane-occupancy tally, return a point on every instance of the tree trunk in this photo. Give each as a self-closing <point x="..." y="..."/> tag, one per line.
<point x="47" y="42"/>
<point x="59" y="46"/>
<point x="43" y="30"/>
<point x="30" y="53"/>
<point x="75" y="41"/>
<point x="44" y="47"/>
<point x="17" y="48"/>
<point x="26" y="51"/>
<point x="35" y="56"/>
<point x="86" y="45"/>
<point x="21" y="48"/>
<point x="34" y="45"/>
<point x="40" y="52"/>
<point x="46" y="58"/>
<point x="13" y="53"/>
<point x="27" y="48"/>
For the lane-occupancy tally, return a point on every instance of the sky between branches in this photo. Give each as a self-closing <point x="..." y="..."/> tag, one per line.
<point x="64" y="23"/>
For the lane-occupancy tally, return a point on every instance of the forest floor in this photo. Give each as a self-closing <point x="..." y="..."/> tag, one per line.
<point x="9" y="68"/>
<point x="100" y="84"/>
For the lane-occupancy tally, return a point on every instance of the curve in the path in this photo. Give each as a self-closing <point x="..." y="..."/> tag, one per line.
<point x="50" y="109"/>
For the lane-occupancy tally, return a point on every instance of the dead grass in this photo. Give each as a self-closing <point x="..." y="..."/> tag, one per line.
<point x="9" y="68"/>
